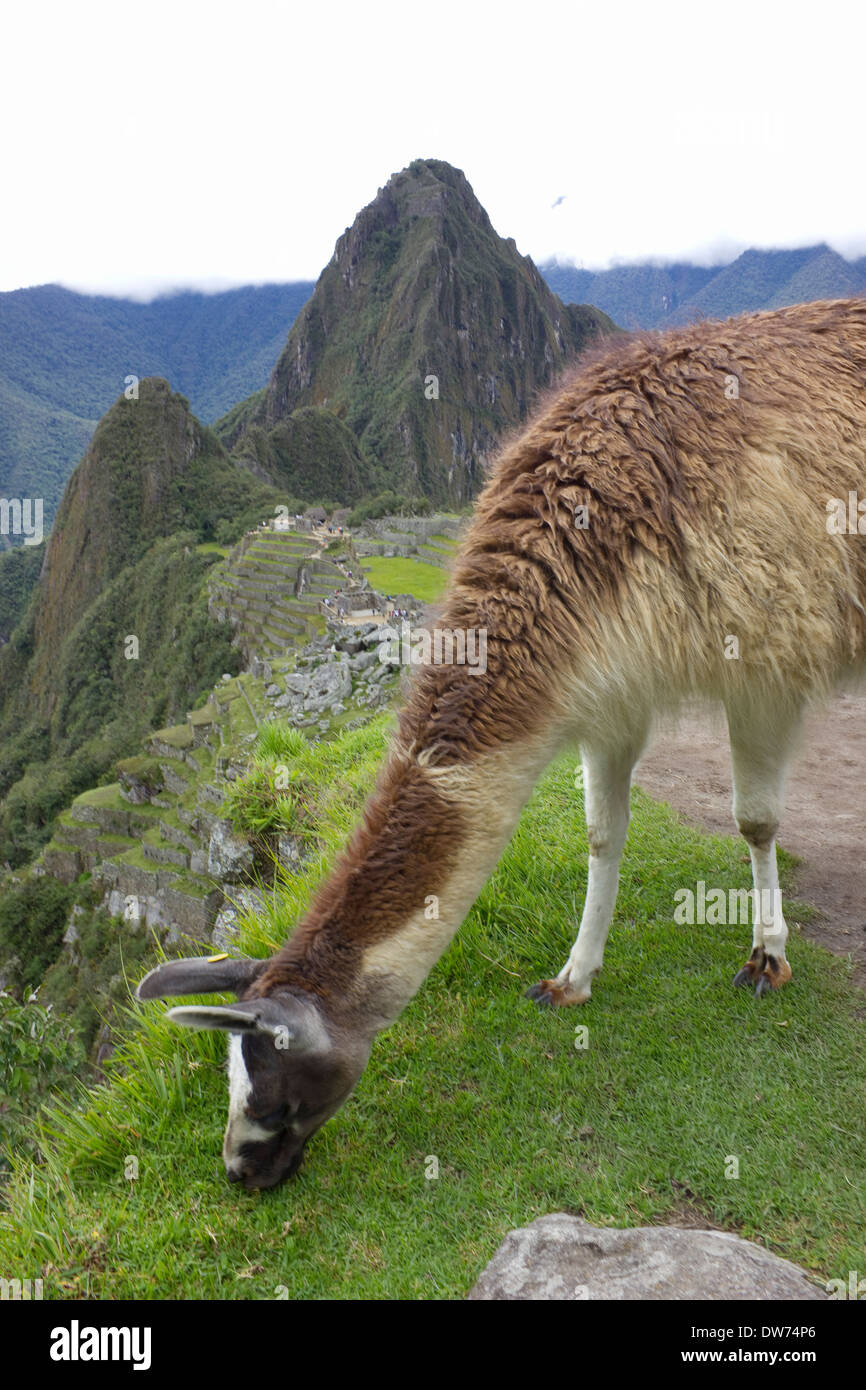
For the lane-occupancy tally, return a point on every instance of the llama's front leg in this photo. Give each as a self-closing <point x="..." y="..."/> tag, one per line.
<point x="759" y="759"/>
<point x="607" y="782"/>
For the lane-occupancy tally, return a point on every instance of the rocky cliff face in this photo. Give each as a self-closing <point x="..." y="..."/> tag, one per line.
<point x="427" y="334"/>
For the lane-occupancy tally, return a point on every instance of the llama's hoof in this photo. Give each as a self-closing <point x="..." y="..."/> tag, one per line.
<point x="542" y="994"/>
<point x="764" y="971"/>
<point x="548" y="995"/>
<point x="776" y="972"/>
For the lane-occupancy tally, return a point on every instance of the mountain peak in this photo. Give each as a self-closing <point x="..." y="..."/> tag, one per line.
<point x="427" y="335"/>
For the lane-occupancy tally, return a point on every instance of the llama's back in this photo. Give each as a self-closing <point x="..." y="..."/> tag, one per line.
<point x="661" y="530"/>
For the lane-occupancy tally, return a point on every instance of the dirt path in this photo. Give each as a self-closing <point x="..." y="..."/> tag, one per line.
<point x="825" y="813"/>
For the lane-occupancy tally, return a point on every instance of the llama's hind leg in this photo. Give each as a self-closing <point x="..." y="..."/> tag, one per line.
<point x="607" y="782"/>
<point x="761" y="749"/>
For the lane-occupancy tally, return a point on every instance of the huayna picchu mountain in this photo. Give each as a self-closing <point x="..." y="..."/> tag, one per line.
<point x="427" y="335"/>
<point x="116" y="638"/>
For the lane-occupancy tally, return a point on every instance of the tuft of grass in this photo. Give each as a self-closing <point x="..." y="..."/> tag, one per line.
<point x="634" y="1122"/>
<point x="278" y="741"/>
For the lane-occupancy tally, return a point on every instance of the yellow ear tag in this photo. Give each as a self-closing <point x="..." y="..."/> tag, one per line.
<point x="212" y="960"/>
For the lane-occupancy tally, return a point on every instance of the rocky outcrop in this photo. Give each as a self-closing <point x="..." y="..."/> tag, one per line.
<point x="230" y="856"/>
<point x="562" y="1257"/>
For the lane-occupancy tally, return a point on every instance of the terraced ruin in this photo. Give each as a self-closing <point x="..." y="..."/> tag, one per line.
<point x="271" y="589"/>
<point x="433" y="539"/>
<point x="159" y="845"/>
<point x="158" y="839"/>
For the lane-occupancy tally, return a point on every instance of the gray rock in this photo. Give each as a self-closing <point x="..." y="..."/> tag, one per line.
<point x="363" y="661"/>
<point x="224" y="932"/>
<point x="229" y="856"/>
<point x="562" y="1257"/>
<point x="70" y="936"/>
<point x="291" y="850"/>
<point x="272" y="690"/>
<point x="328" y="684"/>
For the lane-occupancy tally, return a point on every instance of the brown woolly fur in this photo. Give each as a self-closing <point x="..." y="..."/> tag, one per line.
<point x="706" y="512"/>
<point x="705" y="458"/>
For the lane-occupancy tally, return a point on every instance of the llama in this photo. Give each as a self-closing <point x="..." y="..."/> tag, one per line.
<point x="676" y="497"/>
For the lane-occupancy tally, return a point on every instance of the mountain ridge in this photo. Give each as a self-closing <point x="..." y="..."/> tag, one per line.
<point x="648" y="295"/>
<point x="116" y="636"/>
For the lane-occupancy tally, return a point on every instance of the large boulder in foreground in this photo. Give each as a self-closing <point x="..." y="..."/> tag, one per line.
<point x="562" y="1257"/>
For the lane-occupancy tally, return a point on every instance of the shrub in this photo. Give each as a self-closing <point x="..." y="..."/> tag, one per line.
<point x="38" y="1057"/>
<point x="32" y="920"/>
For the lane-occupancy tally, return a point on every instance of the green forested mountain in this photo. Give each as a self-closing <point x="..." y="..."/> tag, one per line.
<point x="658" y="296"/>
<point x="19" y="574"/>
<point x="313" y="454"/>
<point x="64" y="358"/>
<point x="428" y="336"/>
<point x="116" y="637"/>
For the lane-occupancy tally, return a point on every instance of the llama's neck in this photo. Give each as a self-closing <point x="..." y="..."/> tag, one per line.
<point x="430" y="839"/>
<point x="486" y="799"/>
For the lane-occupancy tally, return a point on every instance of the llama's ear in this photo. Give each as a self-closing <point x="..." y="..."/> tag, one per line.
<point x="238" y="1020"/>
<point x="199" y="975"/>
<point x="292" y="1029"/>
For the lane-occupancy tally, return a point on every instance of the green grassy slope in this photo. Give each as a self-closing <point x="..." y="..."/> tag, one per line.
<point x="681" y="1071"/>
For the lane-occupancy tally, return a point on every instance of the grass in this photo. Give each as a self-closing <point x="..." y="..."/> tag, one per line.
<point x="425" y="582"/>
<point x="176" y="736"/>
<point x="107" y="796"/>
<point x="681" y="1072"/>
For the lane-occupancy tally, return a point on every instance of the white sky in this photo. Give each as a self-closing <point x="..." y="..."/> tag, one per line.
<point x="211" y="144"/>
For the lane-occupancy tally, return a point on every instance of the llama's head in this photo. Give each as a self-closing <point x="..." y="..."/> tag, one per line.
<point x="290" y="1068"/>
